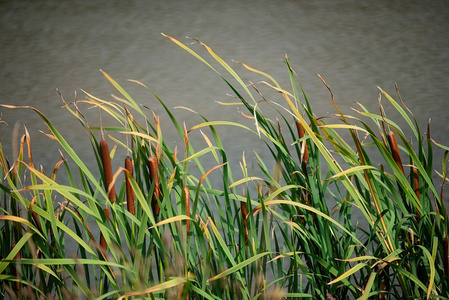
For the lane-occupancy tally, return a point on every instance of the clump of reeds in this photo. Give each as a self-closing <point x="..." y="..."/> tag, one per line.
<point x="304" y="240"/>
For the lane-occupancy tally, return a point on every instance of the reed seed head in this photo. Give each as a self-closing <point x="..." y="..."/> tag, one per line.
<point x="305" y="155"/>
<point x="187" y="201"/>
<point x="152" y="165"/>
<point x="103" y="244"/>
<point x="107" y="169"/>
<point x="395" y="150"/>
<point x="130" y="197"/>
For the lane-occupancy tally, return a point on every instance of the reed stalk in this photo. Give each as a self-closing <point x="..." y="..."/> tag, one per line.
<point x="103" y="243"/>
<point x="446" y="255"/>
<point x="16" y="285"/>
<point x="34" y="215"/>
<point x="187" y="203"/>
<point x="244" y="212"/>
<point x="416" y="188"/>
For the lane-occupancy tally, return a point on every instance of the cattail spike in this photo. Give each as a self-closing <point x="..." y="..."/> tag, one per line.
<point x="395" y="150"/>
<point x="305" y="154"/>
<point x="130" y="197"/>
<point x="152" y="165"/>
<point x="107" y="169"/>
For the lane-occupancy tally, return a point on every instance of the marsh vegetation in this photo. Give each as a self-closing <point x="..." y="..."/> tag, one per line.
<point x="160" y="228"/>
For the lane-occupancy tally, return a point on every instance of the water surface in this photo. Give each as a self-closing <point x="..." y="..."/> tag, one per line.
<point x="355" y="45"/>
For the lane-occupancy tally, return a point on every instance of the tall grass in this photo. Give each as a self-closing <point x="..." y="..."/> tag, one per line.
<point x="165" y="232"/>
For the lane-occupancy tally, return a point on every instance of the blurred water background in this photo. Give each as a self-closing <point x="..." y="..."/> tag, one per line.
<point x="355" y="45"/>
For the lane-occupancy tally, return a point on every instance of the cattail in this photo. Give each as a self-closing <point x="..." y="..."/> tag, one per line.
<point x="129" y="190"/>
<point x="243" y="210"/>
<point x="152" y="165"/>
<point x="16" y="285"/>
<point x="395" y="150"/>
<point x="107" y="168"/>
<point x="103" y="244"/>
<point x="187" y="200"/>
<point x="34" y="215"/>
<point x="305" y="157"/>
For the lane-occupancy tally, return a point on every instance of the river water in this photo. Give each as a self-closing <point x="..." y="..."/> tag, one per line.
<point x="355" y="45"/>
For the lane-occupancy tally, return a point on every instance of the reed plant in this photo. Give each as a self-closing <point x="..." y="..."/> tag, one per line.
<point x="167" y="231"/>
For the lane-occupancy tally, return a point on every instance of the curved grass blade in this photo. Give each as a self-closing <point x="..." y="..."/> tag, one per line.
<point x="157" y="288"/>
<point x="5" y="262"/>
<point x="314" y="210"/>
<point x="171" y="220"/>
<point x="238" y="266"/>
<point x="368" y="286"/>
<point x="348" y="273"/>
<point x="123" y="92"/>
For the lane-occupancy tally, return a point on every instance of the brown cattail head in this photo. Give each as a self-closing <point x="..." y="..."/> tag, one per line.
<point x="305" y="156"/>
<point x="152" y="165"/>
<point x="130" y="197"/>
<point x="395" y="150"/>
<point x="187" y="201"/>
<point x="244" y="211"/>
<point x="103" y="244"/>
<point x="107" y="169"/>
